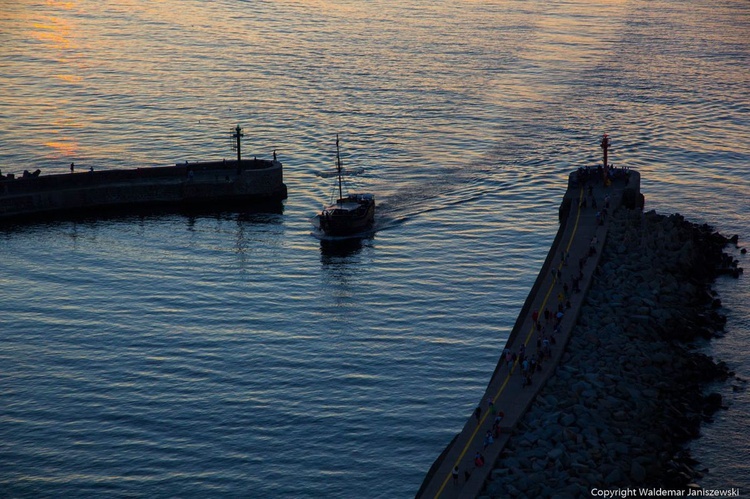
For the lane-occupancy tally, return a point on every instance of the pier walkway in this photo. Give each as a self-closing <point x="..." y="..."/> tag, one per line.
<point x="580" y="238"/>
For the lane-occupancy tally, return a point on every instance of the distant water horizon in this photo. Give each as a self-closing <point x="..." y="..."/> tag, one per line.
<point x="229" y="353"/>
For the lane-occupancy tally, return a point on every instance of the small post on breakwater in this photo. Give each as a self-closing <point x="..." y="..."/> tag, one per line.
<point x="238" y="145"/>
<point x="605" y="146"/>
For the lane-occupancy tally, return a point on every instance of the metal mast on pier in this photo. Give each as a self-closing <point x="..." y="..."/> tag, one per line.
<point x="238" y="135"/>
<point x="605" y="146"/>
<point x="338" y="166"/>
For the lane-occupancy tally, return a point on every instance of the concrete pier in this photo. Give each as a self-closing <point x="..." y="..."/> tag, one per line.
<point x="580" y="239"/>
<point x="197" y="184"/>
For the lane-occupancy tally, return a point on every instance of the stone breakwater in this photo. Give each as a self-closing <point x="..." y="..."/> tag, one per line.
<point x="629" y="390"/>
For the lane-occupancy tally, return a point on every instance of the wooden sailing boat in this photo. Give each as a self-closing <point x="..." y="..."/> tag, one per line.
<point x="349" y="215"/>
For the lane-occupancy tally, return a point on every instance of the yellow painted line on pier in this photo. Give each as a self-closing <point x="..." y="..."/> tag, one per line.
<point x="513" y="367"/>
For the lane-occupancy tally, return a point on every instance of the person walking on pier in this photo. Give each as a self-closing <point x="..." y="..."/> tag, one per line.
<point x="455" y="474"/>
<point x="496" y="424"/>
<point x="478" y="414"/>
<point x="72" y="167"/>
<point x="488" y="440"/>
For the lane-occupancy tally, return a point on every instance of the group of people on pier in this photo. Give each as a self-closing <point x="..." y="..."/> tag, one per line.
<point x="586" y="174"/>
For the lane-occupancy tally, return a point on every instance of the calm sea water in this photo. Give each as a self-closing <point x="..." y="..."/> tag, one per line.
<point x="230" y="354"/>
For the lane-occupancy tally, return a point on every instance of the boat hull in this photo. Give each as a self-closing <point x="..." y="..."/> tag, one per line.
<point x="337" y="221"/>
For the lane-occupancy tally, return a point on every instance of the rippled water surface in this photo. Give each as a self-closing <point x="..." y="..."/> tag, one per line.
<point x="232" y="354"/>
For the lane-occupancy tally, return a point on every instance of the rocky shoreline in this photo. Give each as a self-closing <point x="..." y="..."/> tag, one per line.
<point x="629" y="390"/>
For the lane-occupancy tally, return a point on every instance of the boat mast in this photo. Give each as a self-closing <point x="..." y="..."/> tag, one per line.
<point x="338" y="167"/>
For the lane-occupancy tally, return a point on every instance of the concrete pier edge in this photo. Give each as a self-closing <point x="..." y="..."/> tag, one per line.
<point x="254" y="182"/>
<point x="624" y="192"/>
